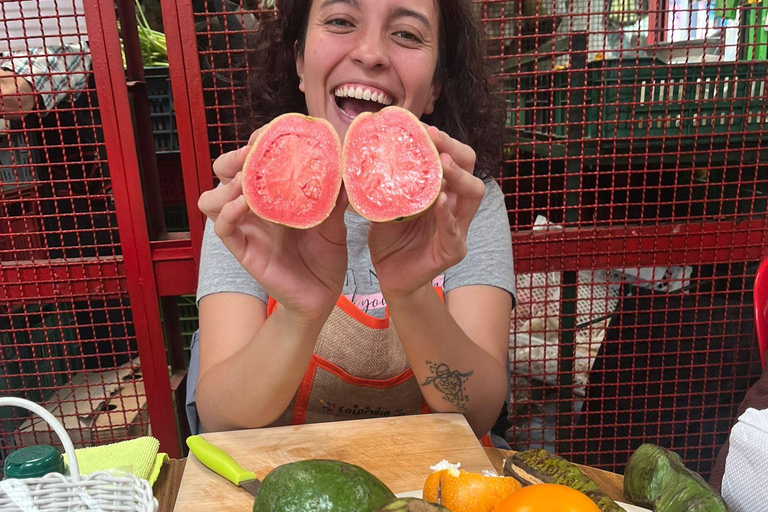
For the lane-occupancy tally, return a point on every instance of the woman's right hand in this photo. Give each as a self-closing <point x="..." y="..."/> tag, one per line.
<point x="303" y="270"/>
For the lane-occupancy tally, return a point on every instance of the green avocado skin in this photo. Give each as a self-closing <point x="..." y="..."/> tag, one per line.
<point x="320" y="486"/>
<point x="657" y="478"/>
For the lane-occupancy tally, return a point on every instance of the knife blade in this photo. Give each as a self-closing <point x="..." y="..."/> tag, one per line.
<point x="219" y="461"/>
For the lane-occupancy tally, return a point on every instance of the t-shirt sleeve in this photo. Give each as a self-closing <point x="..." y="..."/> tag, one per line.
<point x="489" y="247"/>
<point x="221" y="272"/>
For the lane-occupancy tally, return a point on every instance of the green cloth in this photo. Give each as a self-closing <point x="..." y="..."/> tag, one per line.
<point x="625" y="12"/>
<point x="138" y="456"/>
<point x="755" y="28"/>
<point x="727" y="9"/>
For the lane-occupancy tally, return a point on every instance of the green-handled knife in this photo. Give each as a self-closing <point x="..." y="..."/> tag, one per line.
<point x="219" y="461"/>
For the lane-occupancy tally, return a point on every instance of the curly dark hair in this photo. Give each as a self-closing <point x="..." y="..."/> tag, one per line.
<point x="465" y="109"/>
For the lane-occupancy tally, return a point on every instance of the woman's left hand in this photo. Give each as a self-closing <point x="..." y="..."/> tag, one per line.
<point x="408" y="255"/>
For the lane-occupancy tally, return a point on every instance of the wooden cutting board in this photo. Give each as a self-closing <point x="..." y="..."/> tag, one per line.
<point x="397" y="450"/>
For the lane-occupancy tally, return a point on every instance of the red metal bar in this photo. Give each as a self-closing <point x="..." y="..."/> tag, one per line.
<point x="138" y="96"/>
<point x="119" y="139"/>
<point x="81" y="279"/>
<point x="571" y="249"/>
<point x="179" y="24"/>
<point x="175" y="267"/>
<point x="641" y="246"/>
<point x="657" y="17"/>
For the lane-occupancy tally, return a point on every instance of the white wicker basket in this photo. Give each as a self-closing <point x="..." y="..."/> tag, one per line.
<point x="98" y="492"/>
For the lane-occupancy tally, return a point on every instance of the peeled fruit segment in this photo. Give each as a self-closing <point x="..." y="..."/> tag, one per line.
<point x="392" y="169"/>
<point x="411" y="505"/>
<point x="292" y="174"/>
<point x="461" y="491"/>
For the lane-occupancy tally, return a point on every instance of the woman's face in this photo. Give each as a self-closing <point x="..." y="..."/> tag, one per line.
<point x="361" y="55"/>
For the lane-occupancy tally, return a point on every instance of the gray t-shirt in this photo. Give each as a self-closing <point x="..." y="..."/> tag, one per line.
<point x="488" y="260"/>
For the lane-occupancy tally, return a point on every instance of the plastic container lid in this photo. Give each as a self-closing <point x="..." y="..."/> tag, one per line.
<point x="34" y="462"/>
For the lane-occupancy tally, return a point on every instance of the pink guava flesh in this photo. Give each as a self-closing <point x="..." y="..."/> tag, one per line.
<point x="392" y="169"/>
<point x="292" y="175"/>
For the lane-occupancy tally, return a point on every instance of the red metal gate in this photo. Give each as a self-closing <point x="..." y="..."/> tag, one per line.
<point x="79" y="308"/>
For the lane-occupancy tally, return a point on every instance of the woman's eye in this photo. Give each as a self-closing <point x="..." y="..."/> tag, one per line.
<point x="339" y="22"/>
<point x="408" y="36"/>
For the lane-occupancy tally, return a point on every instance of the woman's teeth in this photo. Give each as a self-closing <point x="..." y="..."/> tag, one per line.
<point x="363" y="93"/>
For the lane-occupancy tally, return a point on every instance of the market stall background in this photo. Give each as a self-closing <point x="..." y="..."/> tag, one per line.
<point x="635" y="178"/>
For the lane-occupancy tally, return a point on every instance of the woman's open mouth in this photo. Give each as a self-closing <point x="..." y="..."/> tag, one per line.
<point x="354" y="99"/>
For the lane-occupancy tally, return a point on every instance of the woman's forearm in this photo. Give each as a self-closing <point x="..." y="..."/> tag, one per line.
<point x="455" y="374"/>
<point x="253" y="386"/>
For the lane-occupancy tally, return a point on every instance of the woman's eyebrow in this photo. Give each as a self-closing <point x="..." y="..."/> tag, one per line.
<point x="351" y="3"/>
<point x="403" y="11"/>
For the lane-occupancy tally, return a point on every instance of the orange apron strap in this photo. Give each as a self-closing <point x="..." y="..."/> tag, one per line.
<point x="271" y="306"/>
<point x="357" y="381"/>
<point x="305" y="389"/>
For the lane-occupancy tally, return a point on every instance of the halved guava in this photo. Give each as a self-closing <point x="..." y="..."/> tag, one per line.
<point x="292" y="174"/>
<point x="392" y="169"/>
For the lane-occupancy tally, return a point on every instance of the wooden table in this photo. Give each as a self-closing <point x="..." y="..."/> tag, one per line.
<point x="167" y="486"/>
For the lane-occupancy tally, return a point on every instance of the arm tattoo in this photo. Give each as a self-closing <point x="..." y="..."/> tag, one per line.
<point x="449" y="383"/>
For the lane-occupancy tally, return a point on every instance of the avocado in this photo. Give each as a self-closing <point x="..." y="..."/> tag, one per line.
<point x="656" y="477"/>
<point x="411" y="505"/>
<point x="320" y="485"/>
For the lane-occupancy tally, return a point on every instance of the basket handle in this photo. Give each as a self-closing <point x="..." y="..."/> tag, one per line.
<point x="69" y="449"/>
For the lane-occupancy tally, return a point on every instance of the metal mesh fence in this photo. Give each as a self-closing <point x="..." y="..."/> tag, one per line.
<point x="66" y="332"/>
<point x="635" y="132"/>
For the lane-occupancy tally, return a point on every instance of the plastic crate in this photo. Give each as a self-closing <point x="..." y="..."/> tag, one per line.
<point x="186" y="308"/>
<point x="640" y="99"/>
<point x="175" y="218"/>
<point x="39" y="351"/>
<point x="15" y="160"/>
<point x="188" y="319"/>
<point x="756" y="86"/>
<point x="171" y="179"/>
<point x="161" y="110"/>
<point x="21" y="232"/>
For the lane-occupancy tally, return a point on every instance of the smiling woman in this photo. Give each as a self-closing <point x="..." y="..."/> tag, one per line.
<point x="464" y="108"/>
<point x="353" y="319"/>
<point x="380" y="47"/>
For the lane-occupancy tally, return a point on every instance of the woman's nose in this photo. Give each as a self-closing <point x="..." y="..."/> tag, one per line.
<point x="370" y="51"/>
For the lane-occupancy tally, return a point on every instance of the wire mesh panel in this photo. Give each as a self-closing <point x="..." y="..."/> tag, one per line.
<point x="222" y="28"/>
<point x="636" y="186"/>
<point x="66" y="326"/>
<point x="636" y="132"/>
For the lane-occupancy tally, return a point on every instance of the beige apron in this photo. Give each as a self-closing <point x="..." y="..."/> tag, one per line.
<point x="358" y="370"/>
